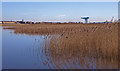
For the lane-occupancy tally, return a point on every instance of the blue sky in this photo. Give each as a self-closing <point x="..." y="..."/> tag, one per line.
<point x="60" y="0"/>
<point x="59" y="11"/>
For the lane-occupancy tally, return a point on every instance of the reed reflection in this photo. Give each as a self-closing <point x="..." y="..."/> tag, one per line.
<point x="77" y="51"/>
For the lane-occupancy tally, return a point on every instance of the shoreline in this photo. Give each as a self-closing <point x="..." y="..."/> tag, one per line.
<point x="61" y="28"/>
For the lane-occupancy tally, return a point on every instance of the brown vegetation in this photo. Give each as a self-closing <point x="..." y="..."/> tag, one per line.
<point x="12" y="24"/>
<point x="77" y="41"/>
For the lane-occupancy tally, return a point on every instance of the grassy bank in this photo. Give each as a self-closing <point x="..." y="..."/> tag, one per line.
<point x="62" y="28"/>
<point x="12" y="24"/>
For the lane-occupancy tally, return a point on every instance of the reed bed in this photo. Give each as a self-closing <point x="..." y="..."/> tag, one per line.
<point x="77" y="42"/>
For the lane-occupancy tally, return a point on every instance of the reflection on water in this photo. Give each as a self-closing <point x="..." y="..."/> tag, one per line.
<point x="0" y="48"/>
<point x="58" y="52"/>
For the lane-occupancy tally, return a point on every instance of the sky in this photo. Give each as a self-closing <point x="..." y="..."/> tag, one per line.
<point x="60" y="0"/>
<point x="59" y="11"/>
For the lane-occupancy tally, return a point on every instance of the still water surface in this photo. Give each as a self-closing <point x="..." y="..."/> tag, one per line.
<point x="22" y="51"/>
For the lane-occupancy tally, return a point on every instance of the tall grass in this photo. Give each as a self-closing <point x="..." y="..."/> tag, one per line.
<point x="77" y="43"/>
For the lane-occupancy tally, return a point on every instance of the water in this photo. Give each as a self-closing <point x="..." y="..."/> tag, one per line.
<point x="22" y="51"/>
<point x="0" y="48"/>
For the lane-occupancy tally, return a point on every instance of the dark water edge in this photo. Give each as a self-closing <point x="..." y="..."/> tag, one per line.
<point x="0" y="48"/>
<point x="60" y="70"/>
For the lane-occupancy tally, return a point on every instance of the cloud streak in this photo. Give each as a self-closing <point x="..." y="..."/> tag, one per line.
<point x="62" y="15"/>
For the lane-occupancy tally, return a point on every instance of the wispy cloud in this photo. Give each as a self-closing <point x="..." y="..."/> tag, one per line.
<point x="63" y="15"/>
